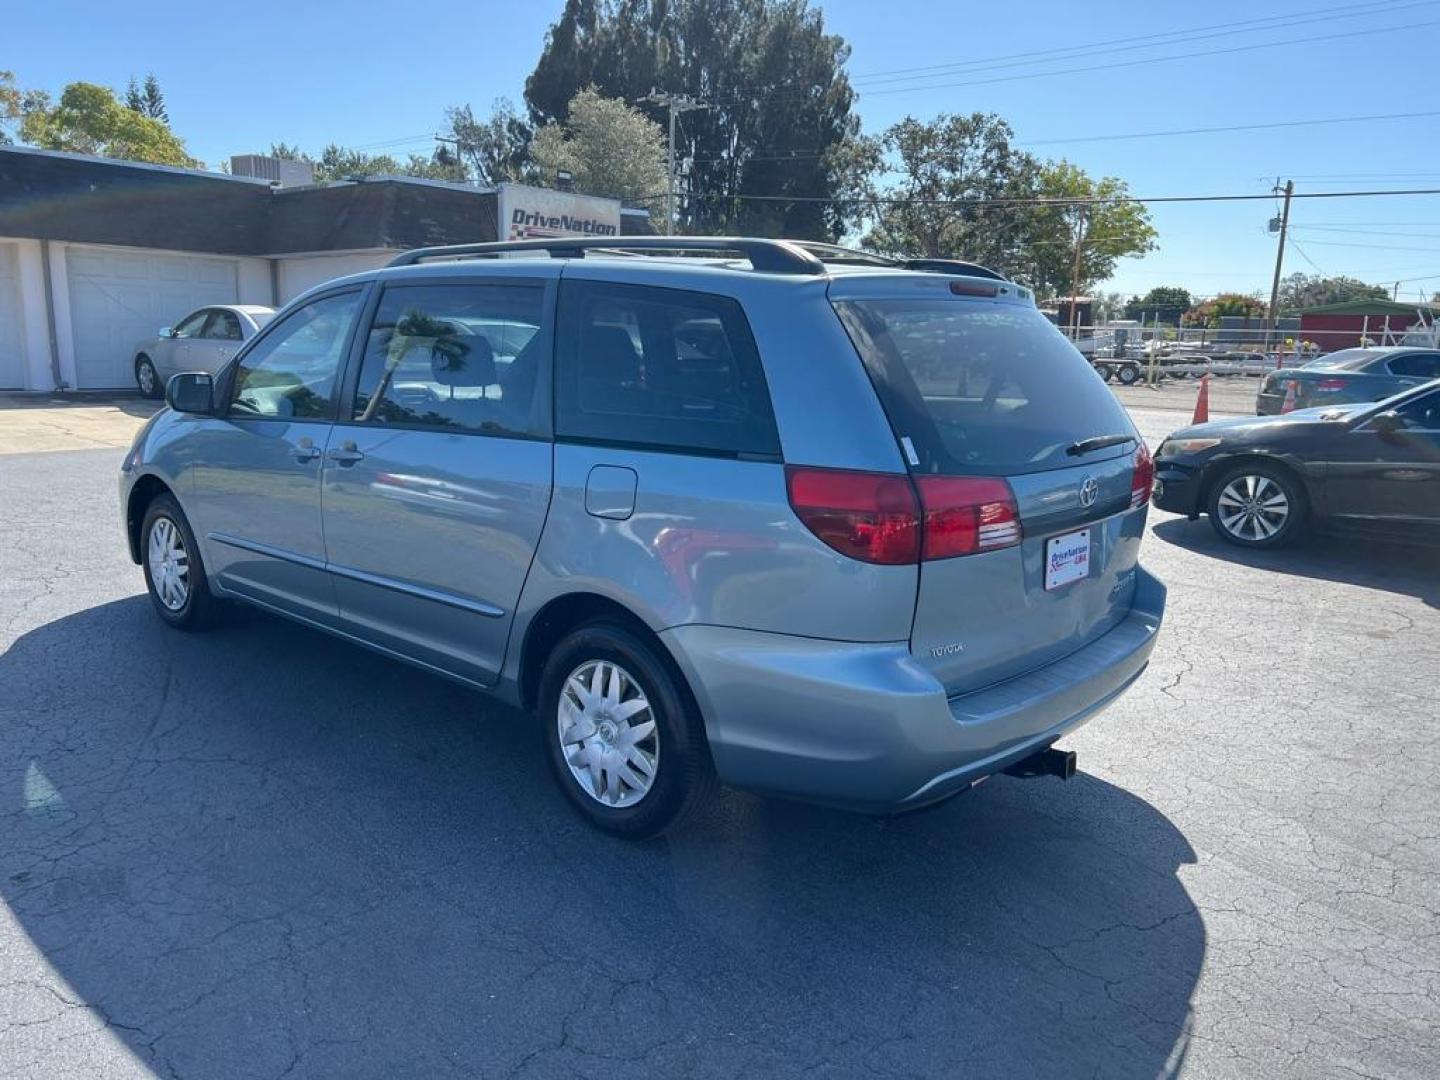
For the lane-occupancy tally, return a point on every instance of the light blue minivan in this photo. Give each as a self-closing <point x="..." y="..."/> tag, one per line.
<point x="795" y="519"/>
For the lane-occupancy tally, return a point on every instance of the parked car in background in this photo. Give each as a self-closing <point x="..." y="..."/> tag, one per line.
<point x="840" y="532"/>
<point x="1268" y="481"/>
<point x="1347" y="375"/>
<point x="204" y="340"/>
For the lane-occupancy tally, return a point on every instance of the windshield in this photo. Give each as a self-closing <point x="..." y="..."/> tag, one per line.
<point x="987" y="389"/>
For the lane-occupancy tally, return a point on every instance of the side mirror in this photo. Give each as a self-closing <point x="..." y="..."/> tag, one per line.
<point x="1388" y="423"/>
<point x="191" y="392"/>
<point x="166" y="331"/>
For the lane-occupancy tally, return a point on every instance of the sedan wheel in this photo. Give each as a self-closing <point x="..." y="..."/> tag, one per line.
<point x="146" y="378"/>
<point x="1256" y="507"/>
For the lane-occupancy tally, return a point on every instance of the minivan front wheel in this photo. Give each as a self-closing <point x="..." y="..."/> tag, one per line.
<point x="174" y="574"/>
<point x="625" y="741"/>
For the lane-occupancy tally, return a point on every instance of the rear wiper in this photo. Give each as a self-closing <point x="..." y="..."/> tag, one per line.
<point x="1096" y="442"/>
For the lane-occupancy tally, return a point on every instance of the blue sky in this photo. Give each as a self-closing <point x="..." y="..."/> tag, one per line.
<point x="364" y="73"/>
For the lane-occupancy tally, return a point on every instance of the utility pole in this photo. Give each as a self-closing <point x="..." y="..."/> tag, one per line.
<point x="1075" y="277"/>
<point x="676" y="104"/>
<point x="1289" y="190"/>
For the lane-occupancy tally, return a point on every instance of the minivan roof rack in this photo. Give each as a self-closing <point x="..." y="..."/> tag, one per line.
<point x="834" y="253"/>
<point x="774" y="256"/>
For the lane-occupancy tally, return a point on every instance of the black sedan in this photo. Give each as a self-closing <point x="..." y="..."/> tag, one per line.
<point x="1350" y="375"/>
<point x="1264" y="480"/>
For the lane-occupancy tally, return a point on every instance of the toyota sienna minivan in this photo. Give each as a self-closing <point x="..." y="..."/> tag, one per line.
<point x="806" y="522"/>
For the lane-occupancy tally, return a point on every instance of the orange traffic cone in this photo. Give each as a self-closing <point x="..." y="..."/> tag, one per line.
<point x="1288" y="405"/>
<point x="1202" y="402"/>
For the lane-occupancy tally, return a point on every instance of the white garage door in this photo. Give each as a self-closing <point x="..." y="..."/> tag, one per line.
<point x="119" y="297"/>
<point x="12" y="340"/>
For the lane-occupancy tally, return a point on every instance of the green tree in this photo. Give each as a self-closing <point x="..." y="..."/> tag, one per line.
<point x="1300" y="291"/>
<point x="339" y="163"/>
<point x="88" y="119"/>
<point x="16" y="104"/>
<point x="610" y="148"/>
<point x="961" y="190"/>
<point x="147" y="100"/>
<point x="1210" y="312"/>
<point x="1166" y="302"/>
<point x="779" y="102"/>
<point x="1079" y="208"/>
<point x="496" y="148"/>
<point x="954" y="176"/>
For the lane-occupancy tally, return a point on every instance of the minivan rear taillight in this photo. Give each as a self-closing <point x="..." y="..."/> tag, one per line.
<point x="966" y="514"/>
<point x="869" y="516"/>
<point x="1142" y="482"/>
<point x="875" y="517"/>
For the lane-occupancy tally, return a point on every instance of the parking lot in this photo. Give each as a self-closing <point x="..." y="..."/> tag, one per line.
<point x="262" y="853"/>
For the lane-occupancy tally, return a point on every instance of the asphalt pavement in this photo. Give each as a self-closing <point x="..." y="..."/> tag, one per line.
<point x="263" y="853"/>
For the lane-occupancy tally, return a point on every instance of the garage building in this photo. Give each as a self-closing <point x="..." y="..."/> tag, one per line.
<point x="96" y="255"/>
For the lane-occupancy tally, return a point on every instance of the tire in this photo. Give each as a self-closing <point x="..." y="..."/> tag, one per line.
<point x="1239" y="500"/>
<point x="1106" y="372"/>
<point x="1128" y="374"/>
<point x="674" y="747"/>
<point x="179" y="591"/>
<point x="147" y="379"/>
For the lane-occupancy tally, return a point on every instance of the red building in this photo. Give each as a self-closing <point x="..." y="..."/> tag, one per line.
<point x="1380" y="322"/>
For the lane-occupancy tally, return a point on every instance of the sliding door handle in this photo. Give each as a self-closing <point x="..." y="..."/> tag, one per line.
<point x="347" y="454"/>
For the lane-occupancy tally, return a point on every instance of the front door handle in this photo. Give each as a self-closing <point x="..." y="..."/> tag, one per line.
<point x="305" y="450"/>
<point x="347" y="454"/>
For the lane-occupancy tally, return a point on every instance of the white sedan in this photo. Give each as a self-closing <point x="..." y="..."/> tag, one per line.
<point x="204" y="340"/>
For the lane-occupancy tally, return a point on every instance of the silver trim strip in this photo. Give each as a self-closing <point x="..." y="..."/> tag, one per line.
<point x="478" y="607"/>
<point x="490" y="611"/>
<point x="266" y="549"/>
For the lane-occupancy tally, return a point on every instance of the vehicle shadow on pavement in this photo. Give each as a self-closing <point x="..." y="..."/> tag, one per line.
<point x="263" y="852"/>
<point x="1367" y="561"/>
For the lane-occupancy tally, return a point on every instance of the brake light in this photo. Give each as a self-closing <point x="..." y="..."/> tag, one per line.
<point x="1331" y="384"/>
<point x="970" y="288"/>
<point x="1142" y="481"/>
<point x="962" y="515"/>
<point x="868" y="516"/>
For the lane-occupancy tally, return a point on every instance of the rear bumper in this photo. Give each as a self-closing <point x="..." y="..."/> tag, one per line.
<point x="865" y="727"/>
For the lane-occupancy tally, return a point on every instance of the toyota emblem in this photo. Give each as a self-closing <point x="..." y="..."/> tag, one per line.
<point x="1089" y="491"/>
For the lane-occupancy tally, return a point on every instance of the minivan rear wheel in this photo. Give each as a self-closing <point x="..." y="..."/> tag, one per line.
<point x="624" y="738"/>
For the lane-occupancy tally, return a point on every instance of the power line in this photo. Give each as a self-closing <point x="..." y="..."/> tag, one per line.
<point x="897" y="201"/>
<point x="1350" y="35"/>
<point x="1145" y="41"/>
<point x="1235" y="127"/>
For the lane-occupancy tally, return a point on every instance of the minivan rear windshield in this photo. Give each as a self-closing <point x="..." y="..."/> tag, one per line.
<point x="980" y="388"/>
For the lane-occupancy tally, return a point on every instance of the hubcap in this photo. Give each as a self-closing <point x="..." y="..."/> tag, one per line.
<point x="608" y="734"/>
<point x="169" y="564"/>
<point x="1253" y="507"/>
<point x="147" y="378"/>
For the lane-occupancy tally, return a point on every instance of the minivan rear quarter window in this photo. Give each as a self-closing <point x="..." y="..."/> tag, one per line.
<point x="668" y="369"/>
<point x="980" y="388"/>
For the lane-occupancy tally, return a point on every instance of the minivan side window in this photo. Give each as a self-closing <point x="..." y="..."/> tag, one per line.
<point x="455" y="357"/>
<point x="668" y="369"/>
<point x="291" y="372"/>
